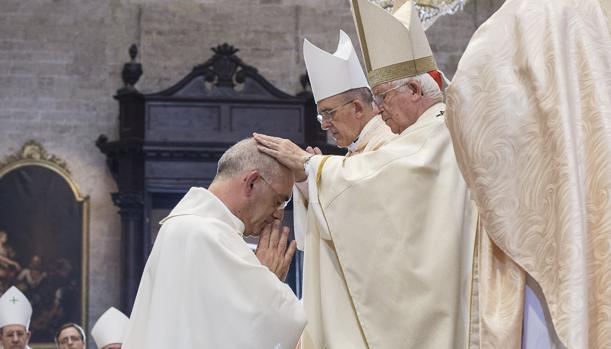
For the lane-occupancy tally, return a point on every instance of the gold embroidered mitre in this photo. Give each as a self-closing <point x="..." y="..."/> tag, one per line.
<point x="394" y="45"/>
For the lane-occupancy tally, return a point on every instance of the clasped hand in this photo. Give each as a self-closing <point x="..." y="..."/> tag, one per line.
<point x="274" y="251"/>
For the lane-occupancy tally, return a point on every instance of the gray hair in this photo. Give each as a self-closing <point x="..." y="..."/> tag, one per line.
<point x="429" y="86"/>
<point x="361" y="93"/>
<point x="244" y="156"/>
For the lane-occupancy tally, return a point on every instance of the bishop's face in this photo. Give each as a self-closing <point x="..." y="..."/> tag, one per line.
<point x="342" y="122"/>
<point x="14" y="337"/>
<point x="398" y="105"/>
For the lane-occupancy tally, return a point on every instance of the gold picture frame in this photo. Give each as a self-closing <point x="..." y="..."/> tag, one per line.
<point x="33" y="158"/>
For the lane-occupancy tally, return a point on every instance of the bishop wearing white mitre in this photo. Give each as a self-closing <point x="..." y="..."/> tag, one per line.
<point x="347" y="110"/>
<point x="109" y="331"/>
<point x="15" y="315"/>
<point x="400" y="218"/>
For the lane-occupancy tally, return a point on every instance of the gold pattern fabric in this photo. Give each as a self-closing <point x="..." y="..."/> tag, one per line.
<point x="606" y="6"/>
<point x="500" y="298"/>
<point x="401" y="70"/>
<point x="529" y="111"/>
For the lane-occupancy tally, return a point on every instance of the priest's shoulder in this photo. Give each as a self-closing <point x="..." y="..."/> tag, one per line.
<point x="194" y="226"/>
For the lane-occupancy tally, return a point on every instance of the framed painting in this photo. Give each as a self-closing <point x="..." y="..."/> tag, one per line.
<point x="44" y="237"/>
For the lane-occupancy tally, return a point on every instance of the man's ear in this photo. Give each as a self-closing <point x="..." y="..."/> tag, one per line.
<point x="359" y="108"/>
<point x="249" y="181"/>
<point x="416" y="89"/>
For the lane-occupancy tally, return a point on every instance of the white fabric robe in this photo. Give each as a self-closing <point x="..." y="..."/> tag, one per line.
<point x="374" y="135"/>
<point x="332" y="320"/>
<point x="403" y="227"/>
<point x="203" y="287"/>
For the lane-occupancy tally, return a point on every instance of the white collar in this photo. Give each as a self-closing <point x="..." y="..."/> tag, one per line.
<point x="433" y="112"/>
<point x="354" y="144"/>
<point x="201" y="202"/>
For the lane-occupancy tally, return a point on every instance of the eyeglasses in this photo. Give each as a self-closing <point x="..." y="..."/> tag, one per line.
<point x="327" y="115"/>
<point x="283" y="203"/>
<point x="380" y="98"/>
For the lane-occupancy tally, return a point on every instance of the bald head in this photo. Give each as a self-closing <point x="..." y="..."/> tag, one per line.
<point x="243" y="157"/>
<point x="253" y="185"/>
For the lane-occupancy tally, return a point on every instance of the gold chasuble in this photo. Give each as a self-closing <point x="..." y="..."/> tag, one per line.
<point x="529" y="111"/>
<point x="402" y="226"/>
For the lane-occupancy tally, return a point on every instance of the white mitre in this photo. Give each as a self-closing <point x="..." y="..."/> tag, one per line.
<point x="15" y="309"/>
<point x="332" y="74"/>
<point x="394" y="45"/>
<point x="110" y="328"/>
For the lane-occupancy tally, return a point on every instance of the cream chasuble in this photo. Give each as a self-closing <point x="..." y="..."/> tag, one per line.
<point x="403" y="226"/>
<point x="203" y="287"/>
<point x="374" y="135"/>
<point x="332" y="321"/>
<point x="529" y="111"/>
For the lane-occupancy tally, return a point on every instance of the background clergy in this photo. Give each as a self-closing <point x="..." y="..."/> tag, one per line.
<point x="529" y="111"/>
<point x="202" y="286"/>
<point x="346" y="109"/>
<point x="15" y="315"/>
<point x="109" y="331"/>
<point x="400" y="217"/>
<point x="70" y="336"/>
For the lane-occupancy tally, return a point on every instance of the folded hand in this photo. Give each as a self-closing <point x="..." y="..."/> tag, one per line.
<point x="273" y="249"/>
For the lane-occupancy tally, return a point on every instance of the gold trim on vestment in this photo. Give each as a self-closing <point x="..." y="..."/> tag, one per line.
<point x="331" y="243"/>
<point x="401" y="70"/>
<point x="319" y="170"/>
<point x="473" y="321"/>
<point x="361" y="32"/>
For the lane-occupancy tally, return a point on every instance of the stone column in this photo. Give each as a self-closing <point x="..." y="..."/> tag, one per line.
<point x="132" y="241"/>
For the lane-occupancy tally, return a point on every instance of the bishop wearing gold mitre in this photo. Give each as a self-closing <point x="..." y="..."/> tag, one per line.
<point x="400" y="218"/>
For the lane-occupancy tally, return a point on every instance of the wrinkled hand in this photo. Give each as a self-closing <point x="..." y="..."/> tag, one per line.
<point x="286" y="152"/>
<point x="273" y="249"/>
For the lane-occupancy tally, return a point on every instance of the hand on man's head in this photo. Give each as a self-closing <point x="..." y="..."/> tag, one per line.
<point x="286" y="152"/>
<point x="274" y="251"/>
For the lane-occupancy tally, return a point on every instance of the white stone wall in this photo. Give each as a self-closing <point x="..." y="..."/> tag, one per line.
<point x="61" y="61"/>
